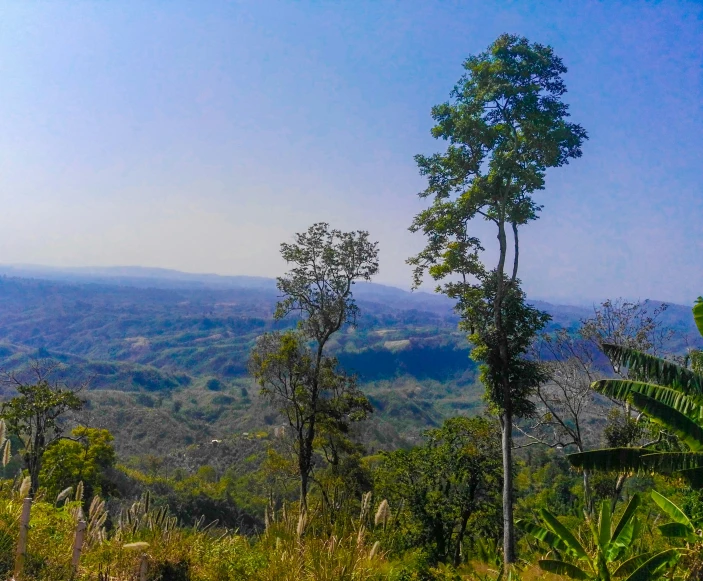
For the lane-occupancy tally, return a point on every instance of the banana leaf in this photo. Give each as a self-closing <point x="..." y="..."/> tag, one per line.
<point x="698" y="314"/>
<point x="688" y="431"/>
<point x="622" y="389"/>
<point x="655" y="369"/>
<point x="676" y="530"/>
<point x="670" y="462"/>
<point x="653" y="567"/>
<point x="671" y="510"/>
<point x="564" y="534"/>
<point x="563" y="568"/>
<point x="632" y="564"/>
<point x="625" y="520"/>
<point x="604" y="525"/>
<point x="694" y="476"/>
<point x="610" y="459"/>
<point x="541" y="534"/>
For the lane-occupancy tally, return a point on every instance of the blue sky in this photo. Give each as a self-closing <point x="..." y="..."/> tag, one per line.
<point x="200" y="135"/>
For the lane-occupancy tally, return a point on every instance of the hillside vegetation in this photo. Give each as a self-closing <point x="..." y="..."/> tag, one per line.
<point x="174" y="356"/>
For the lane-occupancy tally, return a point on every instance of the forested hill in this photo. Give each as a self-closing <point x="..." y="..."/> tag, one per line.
<point x="179" y="343"/>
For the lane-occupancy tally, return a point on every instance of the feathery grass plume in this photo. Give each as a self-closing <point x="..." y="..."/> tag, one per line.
<point x="267" y="522"/>
<point x="2" y="432"/>
<point x="95" y="506"/>
<point x="25" y="486"/>
<point x="365" y="506"/>
<point x="374" y="549"/>
<point x="64" y="494"/>
<point x="360" y="536"/>
<point x="383" y="513"/>
<point x="6" y="454"/>
<point x="302" y="523"/>
<point x="97" y="515"/>
<point x="79" y="492"/>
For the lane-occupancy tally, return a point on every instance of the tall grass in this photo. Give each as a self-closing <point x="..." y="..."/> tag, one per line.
<point x="175" y="553"/>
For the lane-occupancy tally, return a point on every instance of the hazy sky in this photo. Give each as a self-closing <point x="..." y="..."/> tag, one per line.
<point x="200" y="135"/>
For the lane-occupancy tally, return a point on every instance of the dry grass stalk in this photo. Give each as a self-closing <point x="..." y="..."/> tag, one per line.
<point x="64" y="494"/>
<point x="365" y="506"/>
<point x="97" y="515"/>
<point x="383" y="514"/>
<point x="79" y="492"/>
<point x="25" y="486"/>
<point x="6" y="454"/>
<point x="302" y="523"/>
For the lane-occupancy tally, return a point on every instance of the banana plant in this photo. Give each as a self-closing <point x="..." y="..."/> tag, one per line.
<point x="598" y="558"/>
<point x="681" y="528"/>
<point x="668" y="394"/>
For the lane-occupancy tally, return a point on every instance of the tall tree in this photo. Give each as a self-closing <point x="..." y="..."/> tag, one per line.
<point x="505" y="126"/>
<point x="314" y="392"/>
<point x="314" y="395"/>
<point x="34" y="415"/>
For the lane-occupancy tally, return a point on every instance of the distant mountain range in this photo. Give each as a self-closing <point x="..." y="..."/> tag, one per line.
<point x="173" y="347"/>
<point x="677" y="316"/>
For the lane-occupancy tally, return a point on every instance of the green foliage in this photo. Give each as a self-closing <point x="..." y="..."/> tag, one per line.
<point x="521" y="323"/>
<point x="318" y="400"/>
<point x="180" y="553"/>
<point x="84" y="458"/>
<point x="682" y="528"/>
<point x="446" y="491"/>
<point x="698" y="314"/>
<point x="605" y="554"/>
<point x="545" y="478"/>
<point x="668" y="394"/>
<point x="33" y="417"/>
<point x="313" y="393"/>
<point x="506" y="125"/>
<point x="214" y="384"/>
<point x="326" y="265"/>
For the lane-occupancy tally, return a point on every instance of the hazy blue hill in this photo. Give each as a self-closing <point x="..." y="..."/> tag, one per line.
<point x="137" y="276"/>
<point x="167" y="351"/>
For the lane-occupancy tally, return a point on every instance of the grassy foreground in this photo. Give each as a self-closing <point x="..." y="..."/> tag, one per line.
<point x="144" y="533"/>
<point x="175" y="553"/>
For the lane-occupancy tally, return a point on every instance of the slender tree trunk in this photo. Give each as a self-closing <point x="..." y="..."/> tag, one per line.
<point x="587" y="497"/>
<point x="33" y="469"/>
<point x="460" y="537"/>
<point x="619" y="484"/>
<point x="516" y="258"/>
<point x="508" y="524"/>
<point x="305" y="460"/>
<point x="303" y="492"/>
<point x="439" y="537"/>
<point x="507" y="415"/>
